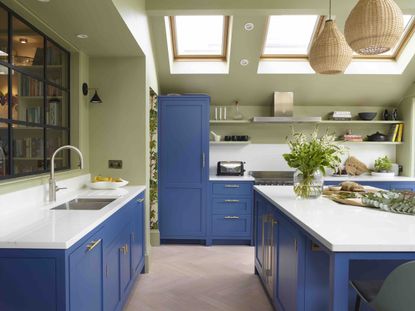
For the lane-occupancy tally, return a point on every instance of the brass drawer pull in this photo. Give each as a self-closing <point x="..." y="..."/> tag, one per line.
<point x="231" y="217"/>
<point x="92" y="245"/>
<point x="232" y="201"/>
<point x="140" y="200"/>
<point x="231" y="186"/>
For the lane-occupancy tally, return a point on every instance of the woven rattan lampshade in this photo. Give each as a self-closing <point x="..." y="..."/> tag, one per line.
<point x="374" y="26"/>
<point x="330" y="53"/>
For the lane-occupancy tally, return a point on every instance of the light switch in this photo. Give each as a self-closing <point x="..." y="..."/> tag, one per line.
<point x="116" y="164"/>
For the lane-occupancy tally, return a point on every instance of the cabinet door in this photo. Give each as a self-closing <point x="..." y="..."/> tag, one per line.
<point x="288" y="261"/>
<point x="112" y="277"/>
<point x="85" y="279"/>
<point x="259" y="232"/>
<point x="183" y="165"/>
<point x="137" y="235"/>
<point x="117" y="269"/>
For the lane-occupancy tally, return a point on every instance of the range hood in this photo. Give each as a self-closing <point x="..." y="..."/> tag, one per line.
<point x="284" y="111"/>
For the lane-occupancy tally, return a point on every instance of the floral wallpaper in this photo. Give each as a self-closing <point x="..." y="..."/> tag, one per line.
<point x="153" y="162"/>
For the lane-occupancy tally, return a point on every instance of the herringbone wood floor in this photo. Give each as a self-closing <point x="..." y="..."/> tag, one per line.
<point x="199" y="278"/>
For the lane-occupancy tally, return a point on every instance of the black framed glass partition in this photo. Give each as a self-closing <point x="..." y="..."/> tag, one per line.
<point x="34" y="98"/>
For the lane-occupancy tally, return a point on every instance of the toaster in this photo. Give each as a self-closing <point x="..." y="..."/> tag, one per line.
<point x="230" y="168"/>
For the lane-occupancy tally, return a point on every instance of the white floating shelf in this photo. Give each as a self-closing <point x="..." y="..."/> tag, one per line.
<point x="230" y="142"/>
<point x="230" y="121"/>
<point x="361" y="122"/>
<point x="371" y="142"/>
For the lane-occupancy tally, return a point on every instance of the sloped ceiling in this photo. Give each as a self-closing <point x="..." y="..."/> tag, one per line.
<point x="244" y="83"/>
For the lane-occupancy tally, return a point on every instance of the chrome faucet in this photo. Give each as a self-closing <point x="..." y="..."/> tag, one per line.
<point x="52" y="182"/>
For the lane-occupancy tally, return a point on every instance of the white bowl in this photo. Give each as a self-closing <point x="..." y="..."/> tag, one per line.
<point x="107" y="185"/>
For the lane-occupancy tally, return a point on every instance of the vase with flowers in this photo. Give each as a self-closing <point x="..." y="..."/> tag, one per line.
<point x="311" y="155"/>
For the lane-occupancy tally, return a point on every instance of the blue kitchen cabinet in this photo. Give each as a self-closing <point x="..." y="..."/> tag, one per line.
<point x="96" y="273"/>
<point x="259" y="213"/>
<point x="289" y="247"/>
<point x="279" y="256"/>
<point x="183" y="145"/>
<point x="230" y="212"/>
<point x="85" y="270"/>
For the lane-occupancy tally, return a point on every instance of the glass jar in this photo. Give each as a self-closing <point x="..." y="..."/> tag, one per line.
<point x="308" y="187"/>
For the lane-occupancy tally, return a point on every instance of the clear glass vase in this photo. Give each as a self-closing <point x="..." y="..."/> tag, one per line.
<point x="308" y="186"/>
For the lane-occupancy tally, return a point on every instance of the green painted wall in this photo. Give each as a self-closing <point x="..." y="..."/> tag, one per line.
<point x="117" y="126"/>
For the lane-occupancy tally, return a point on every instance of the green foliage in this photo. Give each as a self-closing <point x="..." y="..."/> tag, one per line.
<point x="310" y="153"/>
<point x="153" y="165"/>
<point x="390" y="201"/>
<point x="383" y="164"/>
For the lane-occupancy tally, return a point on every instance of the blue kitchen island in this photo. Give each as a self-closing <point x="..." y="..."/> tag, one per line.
<point x="306" y="251"/>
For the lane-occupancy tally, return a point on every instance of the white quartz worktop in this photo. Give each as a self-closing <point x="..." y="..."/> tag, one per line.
<point x="345" y="228"/>
<point x="231" y="178"/>
<point x="37" y="226"/>
<point x="369" y="178"/>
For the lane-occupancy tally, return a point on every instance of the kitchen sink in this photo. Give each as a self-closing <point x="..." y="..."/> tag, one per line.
<point x="84" y="204"/>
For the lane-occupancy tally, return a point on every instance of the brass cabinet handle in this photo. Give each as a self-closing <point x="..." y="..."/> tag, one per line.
<point x="203" y="160"/>
<point x="296" y="245"/>
<point x="92" y="245"/>
<point x="132" y="236"/>
<point x="122" y="249"/>
<point x="231" y="217"/>
<point x="232" y="201"/>
<point x="126" y="248"/>
<point x="140" y="200"/>
<point x="231" y="186"/>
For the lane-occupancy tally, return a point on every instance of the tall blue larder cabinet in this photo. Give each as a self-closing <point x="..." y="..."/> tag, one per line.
<point x="183" y="161"/>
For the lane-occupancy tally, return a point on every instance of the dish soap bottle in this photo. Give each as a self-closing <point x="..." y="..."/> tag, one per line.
<point x="238" y="115"/>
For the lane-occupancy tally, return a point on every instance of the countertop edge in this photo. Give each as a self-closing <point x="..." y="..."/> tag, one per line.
<point x="59" y="245"/>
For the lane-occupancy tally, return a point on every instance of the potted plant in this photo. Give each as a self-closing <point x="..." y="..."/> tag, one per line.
<point x="311" y="155"/>
<point x="383" y="167"/>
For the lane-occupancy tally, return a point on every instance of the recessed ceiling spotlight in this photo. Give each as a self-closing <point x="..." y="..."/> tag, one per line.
<point x="249" y="26"/>
<point x="82" y="36"/>
<point x="244" y="62"/>
<point x="44" y="1"/>
<point x="23" y="40"/>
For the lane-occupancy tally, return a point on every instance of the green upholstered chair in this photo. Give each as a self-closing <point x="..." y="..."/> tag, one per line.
<point x="395" y="293"/>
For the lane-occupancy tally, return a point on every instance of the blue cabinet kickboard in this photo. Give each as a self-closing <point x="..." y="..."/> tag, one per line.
<point x="96" y="273"/>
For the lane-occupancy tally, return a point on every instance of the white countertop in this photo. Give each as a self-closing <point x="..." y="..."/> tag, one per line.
<point x="368" y="178"/>
<point x="231" y="178"/>
<point x="345" y="228"/>
<point x="42" y="228"/>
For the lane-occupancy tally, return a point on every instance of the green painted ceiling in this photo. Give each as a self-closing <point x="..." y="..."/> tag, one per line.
<point x="99" y="19"/>
<point x="245" y="84"/>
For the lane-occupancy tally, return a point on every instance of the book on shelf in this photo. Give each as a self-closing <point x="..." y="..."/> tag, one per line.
<point x="33" y="114"/>
<point x="396" y="133"/>
<point x="353" y="138"/>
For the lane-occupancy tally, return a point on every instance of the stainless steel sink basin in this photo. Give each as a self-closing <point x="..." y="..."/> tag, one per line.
<point x="84" y="204"/>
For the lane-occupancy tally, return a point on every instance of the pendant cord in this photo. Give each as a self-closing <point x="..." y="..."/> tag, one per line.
<point x="329" y="9"/>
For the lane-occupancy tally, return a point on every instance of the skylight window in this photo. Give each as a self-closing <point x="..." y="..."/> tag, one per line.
<point x="199" y="37"/>
<point x="290" y="35"/>
<point x="409" y="27"/>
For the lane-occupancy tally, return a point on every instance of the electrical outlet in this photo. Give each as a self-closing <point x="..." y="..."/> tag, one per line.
<point x="116" y="164"/>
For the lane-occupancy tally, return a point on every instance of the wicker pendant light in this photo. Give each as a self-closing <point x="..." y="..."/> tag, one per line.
<point x="374" y="26"/>
<point x="330" y="53"/>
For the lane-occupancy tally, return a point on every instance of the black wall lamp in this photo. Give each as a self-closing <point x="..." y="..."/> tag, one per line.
<point x="95" y="98"/>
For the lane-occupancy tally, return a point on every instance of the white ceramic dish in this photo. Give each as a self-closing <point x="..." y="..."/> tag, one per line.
<point x="107" y="185"/>
<point x="379" y="174"/>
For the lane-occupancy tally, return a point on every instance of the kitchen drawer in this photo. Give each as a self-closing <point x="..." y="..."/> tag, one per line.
<point x="232" y="188"/>
<point x="232" y="205"/>
<point x="231" y="225"/>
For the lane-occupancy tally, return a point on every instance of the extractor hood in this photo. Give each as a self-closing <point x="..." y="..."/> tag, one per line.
<point x="284" y="111"/>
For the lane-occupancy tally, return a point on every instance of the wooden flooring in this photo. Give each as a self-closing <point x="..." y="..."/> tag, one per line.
<point x="199" y="278"/>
